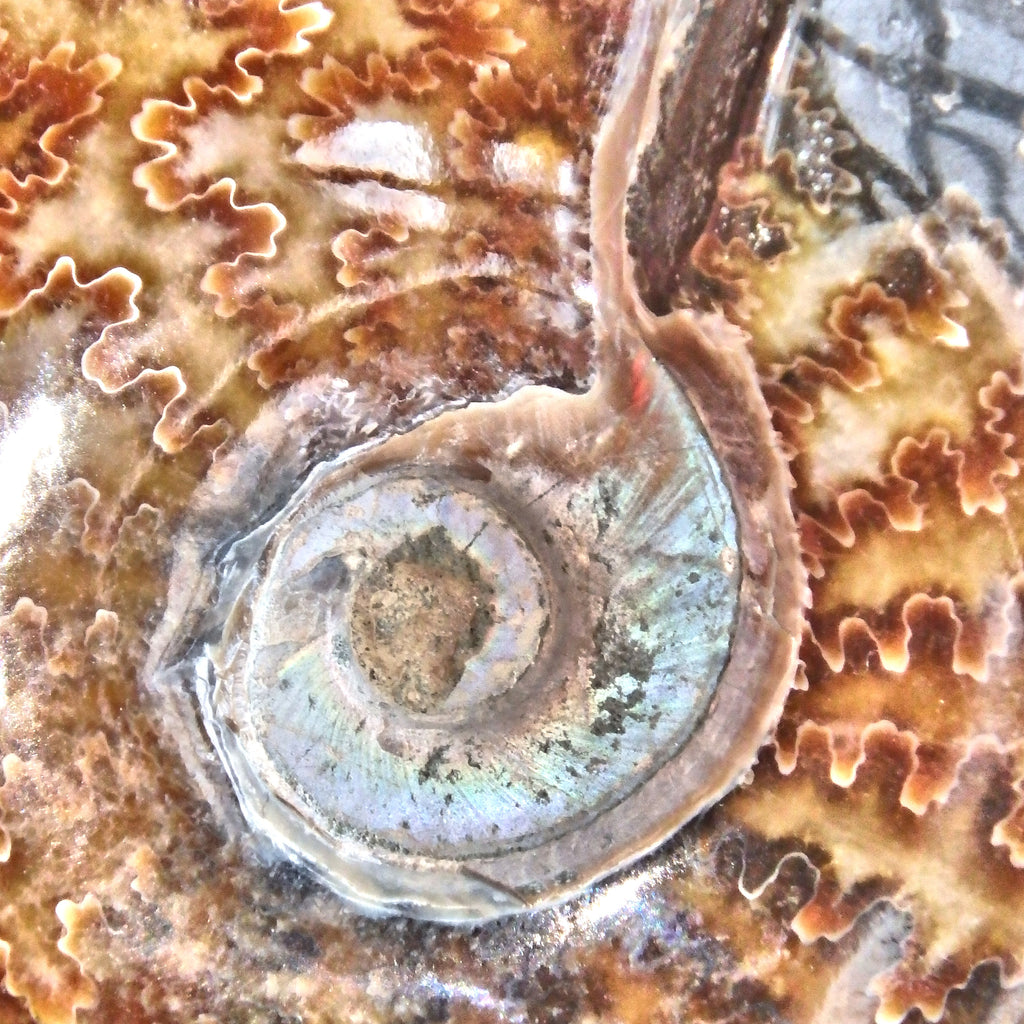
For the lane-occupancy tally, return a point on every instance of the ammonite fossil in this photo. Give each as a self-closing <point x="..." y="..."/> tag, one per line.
<point x="512" y="511"/>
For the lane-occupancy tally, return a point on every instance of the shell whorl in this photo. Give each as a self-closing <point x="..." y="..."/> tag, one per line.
<point x="477" y="663"/>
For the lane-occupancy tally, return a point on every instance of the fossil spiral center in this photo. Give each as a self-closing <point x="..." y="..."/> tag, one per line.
<point x="418" y="618"/>
<point x="457" y="678"/>
<point x="406" y="593"/>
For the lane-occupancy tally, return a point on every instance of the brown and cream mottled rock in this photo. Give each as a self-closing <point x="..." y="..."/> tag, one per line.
<point x="241" y="239"/>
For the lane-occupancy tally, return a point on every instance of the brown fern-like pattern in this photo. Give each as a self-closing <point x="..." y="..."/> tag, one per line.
<point x="191" y="220"/>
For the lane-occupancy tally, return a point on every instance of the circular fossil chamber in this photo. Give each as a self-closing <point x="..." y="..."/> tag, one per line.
<point x="469" y="669"/>
<point x="500" y="651"/>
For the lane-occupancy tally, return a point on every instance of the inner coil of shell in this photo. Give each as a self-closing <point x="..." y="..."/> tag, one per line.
<point x="469" y="662"/>
<point x="471" y="667"/>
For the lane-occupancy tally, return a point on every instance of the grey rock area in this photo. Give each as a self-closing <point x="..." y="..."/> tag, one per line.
<point x="934" y="93"/>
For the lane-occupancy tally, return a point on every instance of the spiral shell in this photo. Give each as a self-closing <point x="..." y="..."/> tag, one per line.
<point x="373" y="373"/>
<point x="470" y="667"/>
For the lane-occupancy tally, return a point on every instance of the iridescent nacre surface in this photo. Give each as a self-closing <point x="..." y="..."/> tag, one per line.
<point x="614" y="600"/>
<point x="248" y="247"/>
